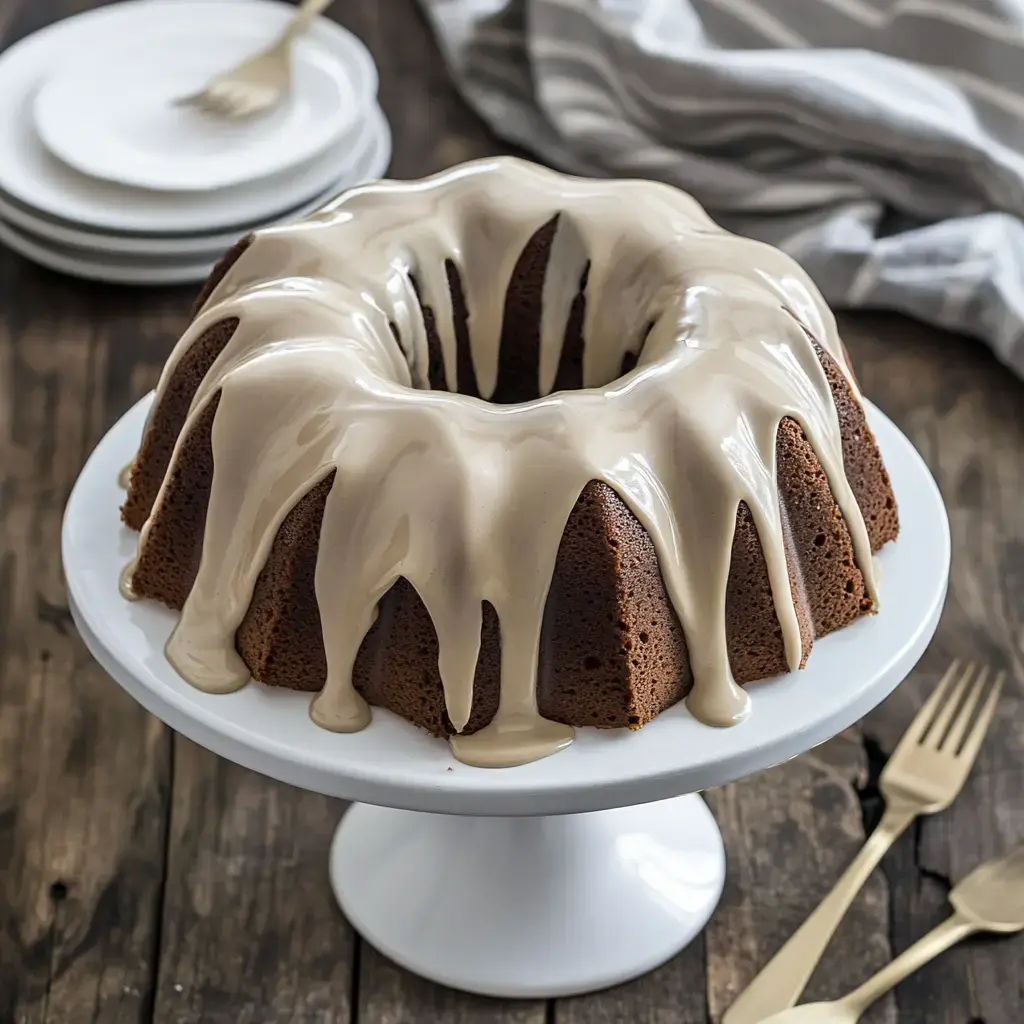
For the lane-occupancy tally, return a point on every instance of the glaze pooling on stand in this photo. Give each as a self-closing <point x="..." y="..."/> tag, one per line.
<point x="124" y="583"/>
<point x="467" y="500"/>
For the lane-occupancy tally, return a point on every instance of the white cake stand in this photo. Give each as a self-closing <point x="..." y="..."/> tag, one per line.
<point x="562" y="876"/>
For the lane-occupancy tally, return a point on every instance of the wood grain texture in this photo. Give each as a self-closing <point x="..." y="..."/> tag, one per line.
<point x="83" y="770"/>
<point x="142" y="879"/>
<point x="390" y="995"/>
<point x="675" y="993"/>
<point x="965" y="414"/>
<point x="790" y="832"/>
<point x="251" y="933"/>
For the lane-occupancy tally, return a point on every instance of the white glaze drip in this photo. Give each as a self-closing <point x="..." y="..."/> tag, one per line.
<point x="468" y="500"/>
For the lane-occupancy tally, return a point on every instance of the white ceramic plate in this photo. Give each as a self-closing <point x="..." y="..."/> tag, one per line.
<point x="111" y="114"/>
<point x="130" y="271"/>
<point x="37" y="179"/>
<point x="157" y="266"/>
<point x="394" y="764"/>
<point x="370" y="159"/>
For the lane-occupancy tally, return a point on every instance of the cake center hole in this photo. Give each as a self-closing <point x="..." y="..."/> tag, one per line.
<point x="519" y="344"/>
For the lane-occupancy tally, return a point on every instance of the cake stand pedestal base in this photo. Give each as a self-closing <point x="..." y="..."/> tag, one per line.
<point x="530" y="907"/>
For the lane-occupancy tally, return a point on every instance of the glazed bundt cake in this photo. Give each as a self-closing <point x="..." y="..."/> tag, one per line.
<point x="507" y="452"/>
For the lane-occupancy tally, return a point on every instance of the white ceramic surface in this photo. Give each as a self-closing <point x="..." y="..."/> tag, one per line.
<point x="394" y="764"/>
<point x="132" y="270"/>
<point x="124" y="258"/>
<point x="110" y="113"/>
<point x="32" y="176"/>
<point x="530" y="907"/>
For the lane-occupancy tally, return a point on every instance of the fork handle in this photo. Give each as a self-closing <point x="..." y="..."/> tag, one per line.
<point x="303" y="18"/>
<point x="784" y="977"/>
<point x="953" y="930"/>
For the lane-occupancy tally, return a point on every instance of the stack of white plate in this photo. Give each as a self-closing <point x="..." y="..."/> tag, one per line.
<point x="102" y="177"/>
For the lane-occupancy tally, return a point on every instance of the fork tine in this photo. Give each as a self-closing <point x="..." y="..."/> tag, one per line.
<point x="205" y="102"/>
<point x="919" y="726"/>
<point x="972" y="744"/>
<point x="936" y="734"/>
<point x="219" y="102"/>
<point x="254" y="105"/>
<point x="962" y="723"/>
<point x="235" y="100"/>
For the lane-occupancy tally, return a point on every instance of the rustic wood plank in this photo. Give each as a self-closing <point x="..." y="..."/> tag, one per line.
<point x="251" y="931"/>
<point x="83" y="771"/>
<point x="388" y="994"/>
<point x="965" y="414"/>
<point x="675" y="993"/>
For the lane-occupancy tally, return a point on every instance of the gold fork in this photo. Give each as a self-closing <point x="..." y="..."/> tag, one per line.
<point x="925" y="773"/>
<point x="262" y="81"/>
<point x="989" y="899"/>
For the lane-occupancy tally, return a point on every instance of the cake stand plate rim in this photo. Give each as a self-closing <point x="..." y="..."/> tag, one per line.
<point x="391" y="763"/>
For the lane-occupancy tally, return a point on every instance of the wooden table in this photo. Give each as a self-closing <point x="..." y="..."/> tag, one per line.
<point x="142" y="878"/>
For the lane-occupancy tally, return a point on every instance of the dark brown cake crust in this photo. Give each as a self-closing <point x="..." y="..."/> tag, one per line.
<point x="612" y="651"/>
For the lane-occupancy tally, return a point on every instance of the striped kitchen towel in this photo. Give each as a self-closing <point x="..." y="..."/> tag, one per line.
<point x="880" y="142"/>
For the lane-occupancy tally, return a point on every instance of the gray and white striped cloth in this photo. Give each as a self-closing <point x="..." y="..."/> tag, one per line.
<point x="880" y="142"/>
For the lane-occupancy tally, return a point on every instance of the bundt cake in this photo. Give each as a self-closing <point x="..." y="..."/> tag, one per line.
<point x="507" y="452"/>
